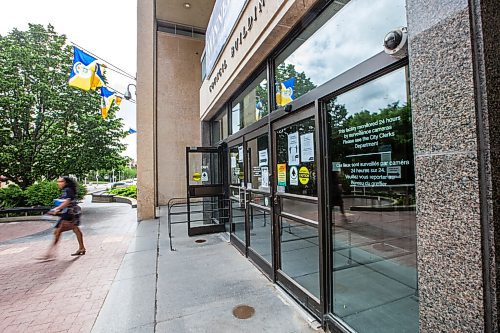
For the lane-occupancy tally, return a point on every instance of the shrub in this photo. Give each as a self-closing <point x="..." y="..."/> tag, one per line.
<point x="42" y="193"/>
<point x="12" y="196"/>
<point x="129" y="191"/>
<point x="81" y="191"/>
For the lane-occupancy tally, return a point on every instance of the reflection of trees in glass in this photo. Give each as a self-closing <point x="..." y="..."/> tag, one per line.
<point x="400" y="145"/>
<point x="261" y="99"/>
<point x="303" y="84"/>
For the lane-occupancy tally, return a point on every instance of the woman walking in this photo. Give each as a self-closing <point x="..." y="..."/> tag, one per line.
<point x="69" y="217"/>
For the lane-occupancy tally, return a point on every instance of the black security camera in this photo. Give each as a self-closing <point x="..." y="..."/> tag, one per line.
<point x="395" y="43"/>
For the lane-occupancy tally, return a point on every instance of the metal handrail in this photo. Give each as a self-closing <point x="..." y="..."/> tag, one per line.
<point x="183" y="202"/>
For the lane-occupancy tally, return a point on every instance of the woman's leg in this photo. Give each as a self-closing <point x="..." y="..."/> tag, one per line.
<point x="79" y="237"/>
<point x="57" y="236"/>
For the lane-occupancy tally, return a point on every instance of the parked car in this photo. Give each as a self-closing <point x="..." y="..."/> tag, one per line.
<point x="118" y="185"/>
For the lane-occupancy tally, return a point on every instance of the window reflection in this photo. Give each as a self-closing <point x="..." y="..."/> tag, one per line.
<point x="344" y="35"/>
<point x="372" y="201"/>
<point x="251" y="105"/>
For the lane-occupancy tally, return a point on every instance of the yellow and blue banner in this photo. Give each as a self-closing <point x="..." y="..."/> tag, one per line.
<point x="108" y="97"/>
<point x="284" y="92"/>
<point x="86" y="73"/>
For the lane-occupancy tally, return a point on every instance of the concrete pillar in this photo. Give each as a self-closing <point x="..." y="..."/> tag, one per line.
<point x="146" y="120"/>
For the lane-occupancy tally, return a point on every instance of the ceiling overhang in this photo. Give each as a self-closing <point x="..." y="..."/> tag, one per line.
<point x="196" y="15"/>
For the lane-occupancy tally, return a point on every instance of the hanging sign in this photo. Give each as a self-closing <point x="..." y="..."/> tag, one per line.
<point x="293" y="148"/>
<point x="307" y="147"/>
<point x="304" y="175"/>
<point x="294" y="176"/>
<point x="281" y="174"/>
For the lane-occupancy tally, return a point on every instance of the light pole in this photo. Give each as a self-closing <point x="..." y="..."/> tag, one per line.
<point x="127" y="94"/>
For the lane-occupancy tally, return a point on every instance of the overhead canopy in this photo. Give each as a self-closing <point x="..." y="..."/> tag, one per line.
<point x="176" y="11"/>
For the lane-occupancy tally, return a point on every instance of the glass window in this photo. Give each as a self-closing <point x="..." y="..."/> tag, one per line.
<point x="258" y="152"/>
<point x="250" y="105"/>
<point x="219" y="128"/>
<point x="344" y="35"/>
<point x="237" y="193"/>
<point x="296" y="167"/>
<point x="372" y="201"/>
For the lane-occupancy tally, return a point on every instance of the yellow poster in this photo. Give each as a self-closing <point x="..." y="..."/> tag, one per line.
<point x="304" y="175"/>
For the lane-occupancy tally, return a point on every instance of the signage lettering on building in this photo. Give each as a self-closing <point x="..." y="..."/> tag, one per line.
<point x="246" y="28"/>
<point x="243" y="33"/>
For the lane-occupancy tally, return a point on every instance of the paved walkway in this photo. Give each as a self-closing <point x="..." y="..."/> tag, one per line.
<point x="130" y="281"/>
<point x="64" y="295"/>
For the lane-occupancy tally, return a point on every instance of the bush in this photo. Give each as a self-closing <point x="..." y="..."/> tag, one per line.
<point x="129" y="191"/>
<point x="81" y="191"/>
<point x="12" y="196"/>
<point x="42" y="193"/>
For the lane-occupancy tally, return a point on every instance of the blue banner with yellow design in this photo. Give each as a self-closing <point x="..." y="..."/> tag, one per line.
<point x="86" y="73"/>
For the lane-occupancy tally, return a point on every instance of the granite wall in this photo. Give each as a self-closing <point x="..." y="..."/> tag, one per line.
<point x="455" y="162"/>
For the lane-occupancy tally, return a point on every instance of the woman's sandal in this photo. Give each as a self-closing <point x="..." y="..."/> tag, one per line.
<point x="78" y="253"/>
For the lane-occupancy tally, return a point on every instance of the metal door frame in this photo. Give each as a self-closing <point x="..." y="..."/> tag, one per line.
<point x="204" y="191"/>
<point x="310" y="302"/>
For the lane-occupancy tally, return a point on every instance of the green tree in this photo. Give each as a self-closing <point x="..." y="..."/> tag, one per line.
<point x="47" y="127"/>
<point x="303" y="84"/>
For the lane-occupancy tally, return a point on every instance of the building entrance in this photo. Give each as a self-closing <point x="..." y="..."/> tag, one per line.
<point x="296" y="206"/>
<point x="250" y="197"/>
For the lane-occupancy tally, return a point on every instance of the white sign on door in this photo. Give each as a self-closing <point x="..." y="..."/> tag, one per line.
<point x="293" y="148"/>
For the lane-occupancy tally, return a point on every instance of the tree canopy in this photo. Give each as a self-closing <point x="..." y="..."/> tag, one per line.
<point x="47" y="127"/>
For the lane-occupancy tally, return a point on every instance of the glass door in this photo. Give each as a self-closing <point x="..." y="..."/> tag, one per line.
<point x="371" y="197"/>
<point x="258" y="209"/>
<point x="237" y="194"/>
<point x="206" y="203"/>
<point x="296" y="206"/>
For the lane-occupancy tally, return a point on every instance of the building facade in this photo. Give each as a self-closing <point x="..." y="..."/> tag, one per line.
<point x="352" y="149"/>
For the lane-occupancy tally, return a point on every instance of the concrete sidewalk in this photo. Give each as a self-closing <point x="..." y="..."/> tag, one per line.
<point x="193" y="289"/>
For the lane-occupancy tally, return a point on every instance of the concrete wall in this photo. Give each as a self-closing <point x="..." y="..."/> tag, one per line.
<point x="451" y="142"/>
<point x="179" y="80"/>
<point x="146" y="35"/>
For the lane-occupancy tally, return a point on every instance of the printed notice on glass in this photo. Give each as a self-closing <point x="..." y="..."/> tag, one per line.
<point x="293" y="148"/>
<point x="233" y="161"/>
<point x="263" y="157"/>
<point x="240" y="154"/>
<point x="307" y="147"/>
<point x="294" y="176"/>
<point x="281" y="174"/>
<point x="264" y="176"/>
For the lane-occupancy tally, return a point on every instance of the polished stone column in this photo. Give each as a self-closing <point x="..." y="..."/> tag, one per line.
<point x="454" y="164"/>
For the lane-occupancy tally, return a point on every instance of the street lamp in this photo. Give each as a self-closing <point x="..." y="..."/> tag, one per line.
<point x="127" y="94"/>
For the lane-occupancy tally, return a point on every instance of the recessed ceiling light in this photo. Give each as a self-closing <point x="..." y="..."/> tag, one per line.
<point x="187" y="5"/>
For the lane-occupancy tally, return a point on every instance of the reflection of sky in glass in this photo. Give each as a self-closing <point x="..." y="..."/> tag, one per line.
<point x="353" y="35"/>
<point x="376" y="94"/>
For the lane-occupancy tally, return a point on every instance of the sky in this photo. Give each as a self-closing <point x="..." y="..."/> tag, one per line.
<point x="107" y="28"/>
<point x="355" y="34"/>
